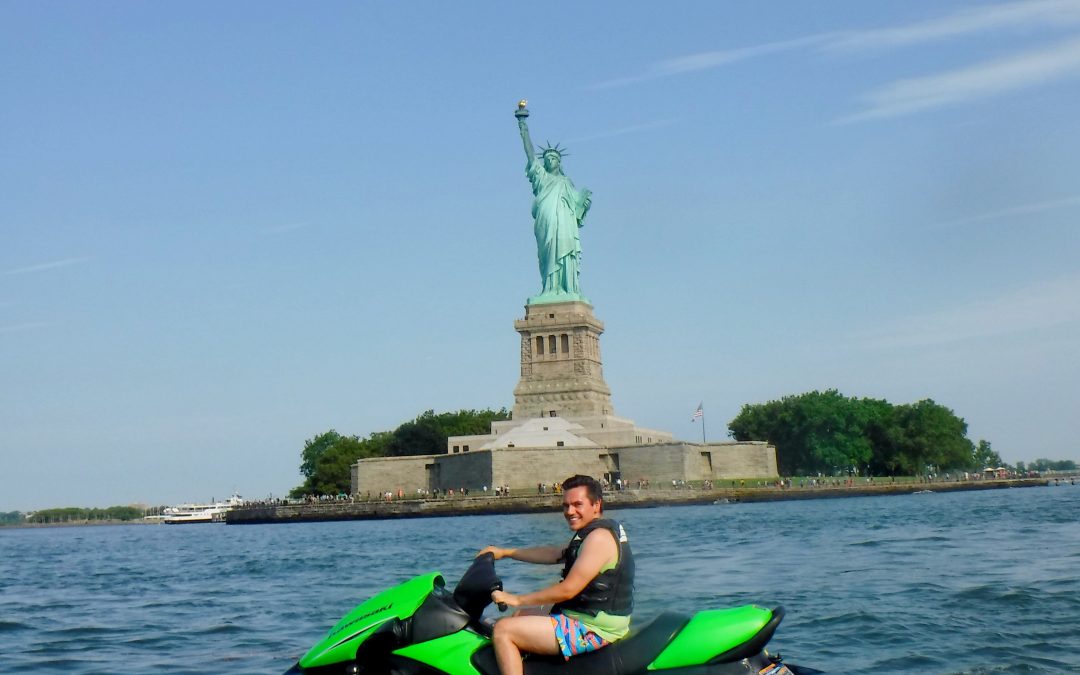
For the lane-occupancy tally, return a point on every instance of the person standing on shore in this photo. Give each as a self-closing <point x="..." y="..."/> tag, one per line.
<point x="594" y="599"/>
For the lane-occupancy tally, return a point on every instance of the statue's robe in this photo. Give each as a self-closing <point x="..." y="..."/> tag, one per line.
<point x="557" y="210"/>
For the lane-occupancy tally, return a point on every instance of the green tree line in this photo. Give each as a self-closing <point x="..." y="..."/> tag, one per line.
<point x="78" y="514"/>
<point x="12" y="518"/>
<point x="326" y="458"/>
<point x="817" y="432"/>
<point x="1042" y="465"/>
<point x="827" y="432"/>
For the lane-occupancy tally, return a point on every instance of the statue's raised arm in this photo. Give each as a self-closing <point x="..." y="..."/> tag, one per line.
<point x="522" y="114"/>
<point x="558" y="212"/>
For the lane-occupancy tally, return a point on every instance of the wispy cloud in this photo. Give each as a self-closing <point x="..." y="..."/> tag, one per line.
<point x="19" y="327"/>
<point x="632" y="129"/>
<point x="712" y="59"/>
<point x="988" y="18"/>
<point x="923" y="93"/>
<point x="289" y="227"/>
<point x="1039" y="306"/>
<point x="1023" y="209"/>
<point x="42" y="267"/>
<point x="980" y="81"/>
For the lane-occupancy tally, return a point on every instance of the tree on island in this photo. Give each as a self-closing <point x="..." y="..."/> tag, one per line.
<point x="987" y="458"/>
<point x="1052" y="465"/>
<point x="12" y="518"/>
<point x="829" y="433"/>
<point x="76" y="514"/>
<point x="326" y="459"/>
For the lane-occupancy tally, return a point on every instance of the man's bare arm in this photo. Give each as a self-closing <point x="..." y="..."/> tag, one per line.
<point x="597" y="550"/>
<point x="541" y="555"/>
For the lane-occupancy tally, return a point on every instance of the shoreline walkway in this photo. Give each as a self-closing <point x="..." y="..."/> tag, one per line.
<point x="252" y="514"/>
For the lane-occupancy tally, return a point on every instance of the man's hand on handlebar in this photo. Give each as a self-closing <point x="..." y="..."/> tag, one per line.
<point x="504" y="599"/>
<point x="499" y="553"/>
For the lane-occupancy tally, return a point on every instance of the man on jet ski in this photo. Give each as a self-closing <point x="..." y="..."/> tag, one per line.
<point x="594" y="599"/>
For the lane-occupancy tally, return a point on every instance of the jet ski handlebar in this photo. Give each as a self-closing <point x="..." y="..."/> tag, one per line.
<point x="473" y="592"/>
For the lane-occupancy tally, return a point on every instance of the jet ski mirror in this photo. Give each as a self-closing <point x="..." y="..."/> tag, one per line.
<point x="473" y="592"/>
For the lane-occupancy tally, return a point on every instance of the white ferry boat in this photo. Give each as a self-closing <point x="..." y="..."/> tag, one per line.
<point x="200" y="513"/>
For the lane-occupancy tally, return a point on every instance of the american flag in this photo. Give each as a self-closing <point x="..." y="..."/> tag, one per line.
<point x="699" y="412"/>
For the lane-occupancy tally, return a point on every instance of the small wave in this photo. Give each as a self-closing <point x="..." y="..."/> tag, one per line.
<point x="12" y="626"/>
<point x="1059" y="517"/>
<point x="82" y="631"/>
<point x="856" y="617"/>
<point x="243" y="656"/>
<point x="220" y="629"/>
<point x="59" y="664"/>
<point x="1006" y="661"/>
<point x="1015" y="597"/>
<point x="150" y="640"/>
<point x="913" y="663"/>
<point x="869" y="543"/>
<point x="933" y="538"/>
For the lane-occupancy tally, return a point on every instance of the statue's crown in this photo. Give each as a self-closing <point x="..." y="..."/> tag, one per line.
<point x="549" y="148"/>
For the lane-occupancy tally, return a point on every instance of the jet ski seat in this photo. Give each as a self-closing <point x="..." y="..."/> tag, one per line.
<point x="631" y="654"/>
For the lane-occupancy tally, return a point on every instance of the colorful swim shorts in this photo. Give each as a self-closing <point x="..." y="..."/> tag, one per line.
<point x="574" y="638"/>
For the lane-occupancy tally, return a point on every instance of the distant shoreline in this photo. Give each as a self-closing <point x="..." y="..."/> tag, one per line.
<point x="489" y="505"/>
<point x="260" y="514"/>
<point x="76" y="523"/>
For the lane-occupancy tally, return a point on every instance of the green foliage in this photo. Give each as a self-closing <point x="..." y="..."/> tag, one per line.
<point x="826" y="432"/>
<point x="986" y="458"/>
<point x="75" y="514"/>
<point x="926" y="435"/>
<point x="427" y="434"/>
<point x="327" y="458"/>
<point x="12" y="518"/>
<point x="314" y="449"/>
<point x="1052" y="465"/>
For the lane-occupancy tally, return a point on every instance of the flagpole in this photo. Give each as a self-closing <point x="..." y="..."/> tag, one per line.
<point x="700" y="412"/>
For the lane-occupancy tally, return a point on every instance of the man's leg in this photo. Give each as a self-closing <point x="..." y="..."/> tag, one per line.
<point x="516" y="634"/>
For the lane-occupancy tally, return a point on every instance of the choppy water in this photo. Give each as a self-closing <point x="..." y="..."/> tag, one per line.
<point x="940" y="583"/>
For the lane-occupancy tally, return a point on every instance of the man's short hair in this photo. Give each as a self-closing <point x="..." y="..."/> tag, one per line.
<point x="591" y="485"/>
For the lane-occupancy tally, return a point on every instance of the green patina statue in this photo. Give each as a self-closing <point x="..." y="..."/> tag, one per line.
<point x="558" y="210"/>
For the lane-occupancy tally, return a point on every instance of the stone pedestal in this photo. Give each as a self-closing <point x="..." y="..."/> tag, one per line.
<point x="561" y="372"/>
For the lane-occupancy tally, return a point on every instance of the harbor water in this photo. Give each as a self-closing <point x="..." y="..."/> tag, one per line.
<point x="979" y="582"/>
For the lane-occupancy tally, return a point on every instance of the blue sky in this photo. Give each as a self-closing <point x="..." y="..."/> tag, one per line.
<point x="228" y="227"/>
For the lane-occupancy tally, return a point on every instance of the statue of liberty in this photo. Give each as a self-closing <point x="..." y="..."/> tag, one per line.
<point x="558" y="210"/>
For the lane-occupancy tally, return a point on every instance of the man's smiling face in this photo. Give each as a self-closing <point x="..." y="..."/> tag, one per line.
<point x="578" y="509"/>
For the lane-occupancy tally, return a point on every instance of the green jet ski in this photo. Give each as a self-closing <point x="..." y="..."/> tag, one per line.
<point x="421" y="628"/>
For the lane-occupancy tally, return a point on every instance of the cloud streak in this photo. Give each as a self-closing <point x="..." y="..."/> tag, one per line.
<point x="1006" y="16"/>
<point x="984" y="80"/>
<point x="42" y="267"/>
<point x="712" y="59"/>
<point x="914" y="95"/>
<point x="19" y="327"/>
<point x="1023" y="209"/>
<point x="1040" y="306"/>
<point x="633" y="129"/>
<point x="289" y="227"/>
<point x="1010" y="16"/>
